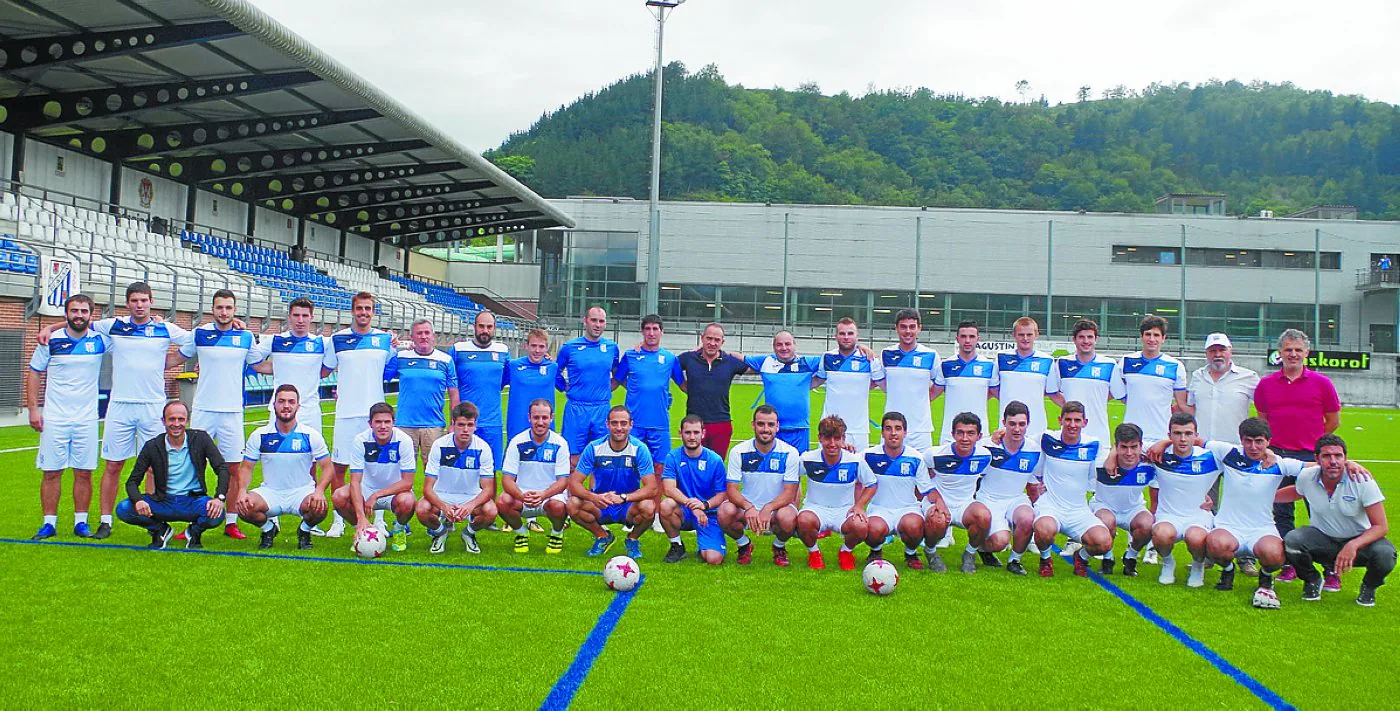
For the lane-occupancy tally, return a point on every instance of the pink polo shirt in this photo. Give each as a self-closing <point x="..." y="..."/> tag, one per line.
<point x="1295" y="408"/>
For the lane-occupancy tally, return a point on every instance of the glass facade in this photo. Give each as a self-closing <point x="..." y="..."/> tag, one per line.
<point x="1217" y="257"/>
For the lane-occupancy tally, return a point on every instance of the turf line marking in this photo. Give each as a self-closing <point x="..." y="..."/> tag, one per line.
<point x="313" y="559"/>
<point x="19" y="449"/>
<point x="562" y="695"/>
<point x="1222" y="665"/>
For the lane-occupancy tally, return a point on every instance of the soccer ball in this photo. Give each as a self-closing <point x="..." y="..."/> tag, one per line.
<point x="880" y="577"/>
<point x="370" y="543"/>
<point x="621" y="574"/>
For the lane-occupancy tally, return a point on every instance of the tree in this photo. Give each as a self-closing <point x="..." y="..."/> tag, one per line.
<point x="1023" y="87"/>
<point x="521" y="168"/>
<point x="1084" y="93"/>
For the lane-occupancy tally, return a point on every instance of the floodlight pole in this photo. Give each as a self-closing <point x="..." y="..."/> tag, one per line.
<point x="652" y="300"/>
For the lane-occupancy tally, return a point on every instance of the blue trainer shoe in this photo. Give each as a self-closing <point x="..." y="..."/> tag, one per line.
<point x="81" y="530"/>
<point x="45" y="531"/>
<point x="634" y="548"/>
<point x="601" y="545"/>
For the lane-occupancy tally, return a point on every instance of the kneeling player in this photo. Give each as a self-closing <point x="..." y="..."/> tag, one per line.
<point x="694" y="482"/>
<point x="459" y="483"/>
<point x="762" y="478"/>
<point x="624" y="486"/>
<point x="381" y="476"/>
<point x="832" y="502"/>
<point x="287" y="450"/>
<point x="1118" y="500"/>
<point x="956" y="468"/>
<point x="1015" y="465"/>
<point x="901" y="483"/>
<point x="535" y="479"/>
<point x="1070" y="459"/>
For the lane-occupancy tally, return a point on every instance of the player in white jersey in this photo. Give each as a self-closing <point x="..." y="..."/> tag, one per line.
<point x="459" y="483"/>
<point x="965" y="380"/>
<point x="535" y="479"/>
<point x="1118" y="500"/>
<point x="956" y="469"/>
<point x="361" y="355"/>
<point x="909" y="373"/>
<point x="763" y="476"/>
<point x="1154" y="383"/>
<point x="899" y="504"/>
<point x="1185" y="474"/>
<point x="223" y="351"/>
<point x="1068" y="471"/>
<point x="297" y="357"/>
<point x="1087" y="378"/>
<point x="850" y="370"/>
<point x="832" y="503"/>
<point x="67" y="424"/>
<point x="289" y="451"/>
<point x="381" y="469"/>
<point x="1016" y="463"/>
<point x="1023" y="374"/>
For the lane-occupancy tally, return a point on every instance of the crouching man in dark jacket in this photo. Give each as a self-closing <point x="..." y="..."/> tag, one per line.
<point x="177" y="462"/>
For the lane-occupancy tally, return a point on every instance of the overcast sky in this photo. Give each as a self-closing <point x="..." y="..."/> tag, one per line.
<point x="481" y="70"/>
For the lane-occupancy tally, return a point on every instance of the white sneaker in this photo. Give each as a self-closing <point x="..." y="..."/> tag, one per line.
<point x="337" y="530"/>
<point x="1266" y="599"/>
<point x="947" y="540"/>
<point x="1197" y="577"/>
<point x="1032" y="549"/>
<point x="1150" y="557"/>
<point x="656" y="524"/>
<point x="1070" y="549"/>
<point x="1168" y="574"/>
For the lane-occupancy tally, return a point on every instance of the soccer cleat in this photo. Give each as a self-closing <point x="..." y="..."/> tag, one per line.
<point x="303" y="540"/>
<point x="469" y="541"/>
<point x="1367" y="596"/>
<point x="554" y="544"/>
<point x="969" y="563"/>
<point x="1015" y="568"/>
<point x="634" y="547"/>
<point x="1168" y="574"/>
<point x="1130" y="568"/>
<point x="1047" y="568"/>
<point x="103" y="530"/>
<point x="161" y="536"/>
<point x="1081" y="567"/>
<point x="1249" y="565"/>
<point x="1312" y="590"/>
<point x="268" y="537"/>
<point x="337" y="530"/>
<point x="194" y="539"/>
<point x="947" y="540"/>
<point x="815" y="561"/>
<point x="823" y="534"/>
<point x="522" y="543"/>
<point x="81" y="530"/>
<point x="45" y="531"/>
<point x="780" y="557"/>
<point x="745" y="554"/>
<point x="233" y="531"/>
<point x="1071" y="548"/>
<point x="1265" y="599"/>
<point x="1150" y="557"/>
<point x="1227" y="580"/>
<point x="1106" y="566"/>
<point x="318" y="533"/>
<point x="1287" y="575"/>
<point x="935" y="562"/>
<point x="1196" y="575"/>
<point x="437" y="543"/>
<point x="846" y="560"/>
<point x="675" y="554"/>
<point x="912" y="561"/>
<point x="533" y="526"/>
<point x="1331" y="582"/>
<point x="399" y="541"/>
<point x="989" y="559"/>
<point x="599" y="547"/>
<point x="179" y="537"/>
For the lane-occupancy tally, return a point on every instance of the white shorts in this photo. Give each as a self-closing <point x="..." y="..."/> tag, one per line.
<point x="892" y="517"/>
<point x="309" y="415"/>
<point x="383" y="503"/>
<point x="1204" y="520"/>
<point x="1004" y="510"/>
<point x="281" y="502"/>
<point x="921" y="441"/>
<point x="1122" y="520"/>
<point x="346" y="429"/>
<point x="1074" y="524"/>
<point x="832" y="517"/>
<point x="771" y="520"/>
<point x="955" y="515"/>
<point x="225" y="427"/>
<point x="455" y="499"/>
<point x="1248" y="538"/>
<point x="130" y="425"/>
<point x="537" y="511"/>
<point x="860" y="439"/>
<point x="65" y="445"/>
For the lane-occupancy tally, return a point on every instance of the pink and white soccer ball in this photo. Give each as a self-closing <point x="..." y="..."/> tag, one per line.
<point x="880" y="577"/>
<point x="621" y="574"/>
<point x="370" y="543"/>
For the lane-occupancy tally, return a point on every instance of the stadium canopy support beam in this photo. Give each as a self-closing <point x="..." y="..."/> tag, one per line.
<point x="136" y="144"/>
<point x="17" y="158"/>
<point x="460" y="217"/>
<point x="347" y="203"/>
<point x="281" y="187"/>
<point x="45" y="110"/>
<point x="114" y="189"/>
<point x="208" y="169"/>
<point x="48" y="52"/>
<point x="448" y="235"/>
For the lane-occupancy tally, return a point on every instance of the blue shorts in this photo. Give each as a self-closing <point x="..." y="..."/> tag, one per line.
<point x="583" y="423"/>
<point x="707" y="538"/>
<point x="799" y="438"/>
<point x="495" y="437"/>
<point x="617" y="513"/>
<point x="657" y="440"/>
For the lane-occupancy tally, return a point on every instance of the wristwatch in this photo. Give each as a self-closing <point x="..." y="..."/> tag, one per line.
<point x="220" y="497"/>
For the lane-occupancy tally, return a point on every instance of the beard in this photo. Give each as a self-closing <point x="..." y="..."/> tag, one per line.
<point x="77" y="325"/>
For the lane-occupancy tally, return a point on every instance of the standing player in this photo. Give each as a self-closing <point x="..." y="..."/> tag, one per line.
<point x="1154" y="383"/>
<point x="535" y="479"/>
<point x="289" y="451"/>
<point x="709" y="372"/>
<point x="646" y="373"/>
<point x="1023" y="374"/>
<point x="1184" y="475"/>
<point x="381" y="472"/>
<point x="762" y="486"/>
<point x="849" y="373"/>
<point x="832" y="503"/>
<point x="585" y="377"/>
<point x="297" y="357"/>
<point x="1016" y="463"/>
<point x="427" y="381"/>
<point x="965" y="380"/>
<point x="224" y="352"/>
<point x="67" y="424"/>
<point x="1070" y="459"/>
<point x="909" y="376"/>
<point x="459" y="483"/>
<point x="1118" y="500"/>
<point x="530" y="377"/>
<point x="624" y="486"/>
<point x="1087" y="378"/>
<point x="363" y="357"/>
<point x="901" y="483"/>
<point x="481" y="373"/>
<point x="694" y="481"/>
<point x="788" y="379"/>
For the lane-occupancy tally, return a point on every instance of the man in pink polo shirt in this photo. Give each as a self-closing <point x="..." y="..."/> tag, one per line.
<point x="1300" y="405"/>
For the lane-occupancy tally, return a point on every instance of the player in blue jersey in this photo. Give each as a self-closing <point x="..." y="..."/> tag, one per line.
<point x="902" y="485"/>
<point x="535" y="479"/>
<point x="1118" y="500"/>
<point x="1184" y="477"/>
<point x="362" y="357"/>
<point x="646" y="373"/>
<point x="833" y="503"/>
<point x="965" y="380"/>
<point x="624" y="486"/>
<point x="956" y="468"/>
<point x="1015" y="467"/>
<point x="1069" y="465"/>
<point x="380" y="478"/>
<point x="481" y="373"/>
<point x="585" y="377"/>
<point x="1087" y="378"/>
<point x="693" y="478"/>
<point x="909" y="376"/>
<point x="529" y="378"/>
<point x="299" y="358"/>
<point x="67" y="423"/>
<point x="762" y="478"/>
<point x="1154" y="383"/>
<point x="1022" y="376"/>
<point x="289" y="451"/>
<point x="850" y="371"/>
<point x="459" y="483"/>
<point x="788" y="379"/>
<point x="427" y="382"/>
<point x="224" y="352"/>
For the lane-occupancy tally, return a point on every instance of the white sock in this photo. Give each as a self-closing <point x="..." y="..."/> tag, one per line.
<point x="230" y="519"/>
<point x="106" y="518"/>
<point x="1108" y="555"/>
<point x="1014" y="556"/>
<point x="556" y="531"/>
<point x="780" y="544"/>
<point x="521" y="530"/>
<point x="338" y="520"/>
<point x="304" y="526"/>
<point x="78" y="518"/>
<point x="379" y="518"/>
<point x="270" y="524"/>
<point x="812" y="548"/>
<point x="1131" y="554"/>
<point x="970" y="549"/>
<point x="1083" y="553"/>
<point x="675" y="539"/>
<point x="743" y="540"/>
<point x="911" y="551"/>
<point x="1045" y="553"/>
<point x="51" y="520"/>
<point x="845" y="548"/>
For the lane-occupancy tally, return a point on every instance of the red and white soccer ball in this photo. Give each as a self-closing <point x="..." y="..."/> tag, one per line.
<point x="621" y="574"/>
<point x="880" y="577"/>
<point x="370" y="543"/>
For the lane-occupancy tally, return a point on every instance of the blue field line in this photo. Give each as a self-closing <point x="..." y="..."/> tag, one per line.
<point x="1264" y="693"/>
<point x="562" y="695"/>
<point x="756" y="402"/>
<point x="313" y="559"/>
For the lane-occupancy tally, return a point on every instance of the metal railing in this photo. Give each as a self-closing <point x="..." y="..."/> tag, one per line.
<point x="1375" y="276"/>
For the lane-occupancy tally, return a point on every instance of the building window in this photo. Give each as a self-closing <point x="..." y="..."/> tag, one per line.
<point x="1223" y="257"/>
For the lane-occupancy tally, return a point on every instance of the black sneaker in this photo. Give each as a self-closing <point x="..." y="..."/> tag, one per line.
<point x="268" y="538"/>
<point x="1130" y="568"/>
<point x="161" y="536"/>
<point x="303" y="540"/>
<point x="1015" y="568"/>
<point x="103" y="530"/>
<point x="194" y="539"/>
<point x="989" y="559"/>
<point x="1106" y="566"/>
<point x="1367" y="596"/>
<point x="1227" y="580"/>
<point x="676" y="554"/>
<point x="1312" y="589"/>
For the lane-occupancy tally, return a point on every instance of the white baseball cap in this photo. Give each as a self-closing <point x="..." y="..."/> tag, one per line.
<point x="1217" y="339"/>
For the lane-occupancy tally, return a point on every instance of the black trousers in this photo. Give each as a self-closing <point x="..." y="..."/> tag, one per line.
<point x="1309" y="545"/>
<point x="1283" y="513"/>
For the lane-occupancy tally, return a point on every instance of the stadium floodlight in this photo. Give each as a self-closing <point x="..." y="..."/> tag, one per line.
<point x="659" y="9"/>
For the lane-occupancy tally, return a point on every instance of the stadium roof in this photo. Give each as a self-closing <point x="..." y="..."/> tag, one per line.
<point x="217" y="94"/>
